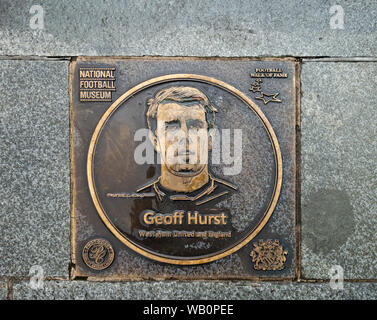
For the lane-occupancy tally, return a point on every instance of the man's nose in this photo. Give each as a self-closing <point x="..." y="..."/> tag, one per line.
<point x="185" y="131"/>
<point x="184" y="126"/>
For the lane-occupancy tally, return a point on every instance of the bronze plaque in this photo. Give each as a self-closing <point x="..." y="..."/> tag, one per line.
<point x="183" y="168"/>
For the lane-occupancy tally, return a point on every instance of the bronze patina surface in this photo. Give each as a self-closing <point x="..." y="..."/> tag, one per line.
<point x="183" y="168"/>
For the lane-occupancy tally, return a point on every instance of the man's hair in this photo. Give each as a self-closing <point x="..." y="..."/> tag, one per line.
<point x="181" y="95"/>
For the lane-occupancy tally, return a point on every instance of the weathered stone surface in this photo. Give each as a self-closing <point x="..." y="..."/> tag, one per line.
<point x="60" y="290"/>
<point x="3" y="290"/>
<point x="34" y="176"/>
<point x="339" y="151"/>
<point x="188" y="28"/>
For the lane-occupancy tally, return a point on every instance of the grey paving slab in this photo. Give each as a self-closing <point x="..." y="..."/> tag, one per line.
<point x="60" y="290"/>
<point x="34" y="162"/>
<point x="339" y="180"/>
<point x="189" y="28"/>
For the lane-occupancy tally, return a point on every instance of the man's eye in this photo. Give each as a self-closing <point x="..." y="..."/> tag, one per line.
<point x="172" y="125"/>
<point x="195" y="124"/>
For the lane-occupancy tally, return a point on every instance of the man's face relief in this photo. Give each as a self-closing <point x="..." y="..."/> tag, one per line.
<point x="182" y="138"/>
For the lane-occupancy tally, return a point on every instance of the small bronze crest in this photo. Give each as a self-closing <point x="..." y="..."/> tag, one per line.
<point x="268" y="255"/>
<point x="98" y="254"/>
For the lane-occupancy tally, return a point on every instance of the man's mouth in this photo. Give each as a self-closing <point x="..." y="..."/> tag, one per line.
<point x="185" y="153"/>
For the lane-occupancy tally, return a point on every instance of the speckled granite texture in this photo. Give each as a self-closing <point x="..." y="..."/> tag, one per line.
<point x="54" y="290"/>
<point x="339" y="181"/>
<point x="338" y="112"/>
<point x="189" y="28"/>
<point x="34" y="175"/>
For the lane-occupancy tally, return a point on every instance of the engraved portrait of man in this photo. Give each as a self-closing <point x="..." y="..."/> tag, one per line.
<point x="179" y="120"/>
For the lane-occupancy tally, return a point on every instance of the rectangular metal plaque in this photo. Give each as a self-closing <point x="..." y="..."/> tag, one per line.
<point x="183" y="168"/>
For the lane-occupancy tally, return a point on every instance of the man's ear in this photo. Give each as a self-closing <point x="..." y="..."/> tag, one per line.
<point x="153" y="139"/>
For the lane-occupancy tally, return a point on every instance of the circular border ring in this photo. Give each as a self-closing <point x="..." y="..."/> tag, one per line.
<point x="226" y="87"/>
